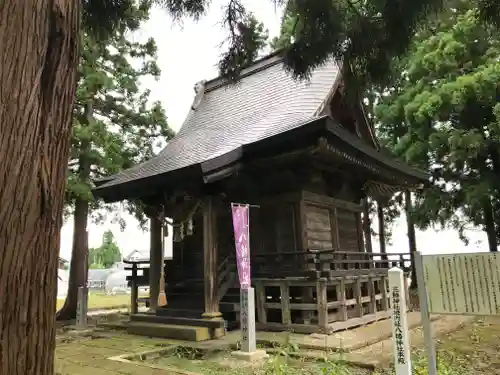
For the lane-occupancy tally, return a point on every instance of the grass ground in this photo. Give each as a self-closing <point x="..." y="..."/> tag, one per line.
<point x="473" y="349"/>
<point x="99" y="301"/>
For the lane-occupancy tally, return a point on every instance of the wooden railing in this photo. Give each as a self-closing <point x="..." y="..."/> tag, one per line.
<point x="226" y="275"/>
<point x="325" y="263"/>
<point x="337" y="304"/>
<point x="331" y="263"/>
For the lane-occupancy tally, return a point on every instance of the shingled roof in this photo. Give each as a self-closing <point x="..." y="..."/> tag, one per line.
<point x="224" y="118"/>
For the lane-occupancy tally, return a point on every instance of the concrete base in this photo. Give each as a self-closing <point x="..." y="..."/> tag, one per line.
<point x="211" y="315"/>
<point x="169" y="331"/>
<point x="78" y="331"/>
<point x="257" y="355"/>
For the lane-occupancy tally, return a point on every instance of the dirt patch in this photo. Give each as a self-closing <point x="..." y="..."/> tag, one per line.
<point x="193" y="361"/>
<point x="474" y="348"/>
<point x="380" y="354"/>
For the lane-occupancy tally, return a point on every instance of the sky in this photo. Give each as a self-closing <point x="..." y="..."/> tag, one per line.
<point x="188" y="52"/>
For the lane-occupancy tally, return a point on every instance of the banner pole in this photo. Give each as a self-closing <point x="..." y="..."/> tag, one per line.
<point x="241" y="224"/>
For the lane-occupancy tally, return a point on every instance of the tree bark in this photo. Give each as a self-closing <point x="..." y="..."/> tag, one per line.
<point x="78" y="270"/>
<point x="489" y="225"/>
<point x="79" y="261"/>
<point x="39" y="49"/>
<point x="412" y="238"/>
<point x="381" y="227"/>
<point x="367" y="226"/>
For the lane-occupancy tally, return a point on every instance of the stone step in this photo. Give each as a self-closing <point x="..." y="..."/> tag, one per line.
<point x="169" y="331"/>
<point x="180" y="312"/>
<point x="113" y="325"/>
<point x="181" y="321"/>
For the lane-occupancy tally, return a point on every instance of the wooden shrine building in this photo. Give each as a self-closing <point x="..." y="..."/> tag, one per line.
<point x="306" y="158"/>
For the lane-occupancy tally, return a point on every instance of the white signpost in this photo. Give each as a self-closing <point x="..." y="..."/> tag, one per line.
<point x="400" y="341"/>
<point x="462" y="284"/>
<point x="82" y="307"/>
<point x="247" y="320"/>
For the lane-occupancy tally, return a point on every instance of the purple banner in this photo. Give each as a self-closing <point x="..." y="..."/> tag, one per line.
<point x="241" y="218"/>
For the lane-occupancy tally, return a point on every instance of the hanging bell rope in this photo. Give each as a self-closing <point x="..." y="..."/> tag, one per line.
<point x="185" y="227"/>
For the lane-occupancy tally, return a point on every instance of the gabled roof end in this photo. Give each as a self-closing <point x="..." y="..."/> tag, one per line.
<point x="199" y="89"/>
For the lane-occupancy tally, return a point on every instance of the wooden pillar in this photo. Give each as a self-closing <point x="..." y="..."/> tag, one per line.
<point x="342" y="298"/>
<point x="322" y="304"/>
<point x="155" y="260"/>
<point x="134" y="290"/>
<point x="381" y="227"/>
<point x="306" y="293"/>
<point x="210" y="259"/>
<point x="286" y="317"/>
<point x="260" y="301"/>
<point x="358" y="295"/>
<point x="367" y="226"/>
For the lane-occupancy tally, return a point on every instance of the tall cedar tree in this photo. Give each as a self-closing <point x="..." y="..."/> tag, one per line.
<point x="443" y="115"/>
<point x="40" y="51"/>
<point x="105" y="255"/>
<point x="113" y="129"/>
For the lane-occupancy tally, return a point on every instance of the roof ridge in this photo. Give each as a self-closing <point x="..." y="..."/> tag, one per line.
<point x="258" y="65"/>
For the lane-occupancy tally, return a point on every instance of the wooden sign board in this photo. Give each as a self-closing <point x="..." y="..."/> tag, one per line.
<point x="464" y="284"/>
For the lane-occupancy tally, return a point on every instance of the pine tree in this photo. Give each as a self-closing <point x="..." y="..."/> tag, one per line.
<point x="114" y="128"/>
<point x="442" y="115"/>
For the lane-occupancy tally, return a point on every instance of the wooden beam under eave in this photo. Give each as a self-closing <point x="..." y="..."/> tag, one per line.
<point x="210" y="259"/>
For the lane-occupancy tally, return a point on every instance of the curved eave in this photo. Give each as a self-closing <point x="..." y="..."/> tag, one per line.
<point x="350" y="147"/>
<point x="210" y="170"/>
<point x="355" y="146"/>
<point x="147" y="187"/>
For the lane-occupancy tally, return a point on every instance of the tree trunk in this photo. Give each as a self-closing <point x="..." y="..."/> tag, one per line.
<point x="367" y="226"/>
<point x="78" y="270"/>
<point x="39" y="49"/>
<point x="489" y="225"/>
<point x="381" y="228"/>
<point x="412" y="239"/>
<point x="79" y="261"/>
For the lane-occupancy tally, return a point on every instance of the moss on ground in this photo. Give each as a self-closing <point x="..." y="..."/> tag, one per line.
<point x="473" y="349"/>
<point x="103" y="301"/>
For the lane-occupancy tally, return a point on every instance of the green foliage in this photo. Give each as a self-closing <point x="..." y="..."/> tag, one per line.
<point x="442" y="115"/>
<point x="102" y="19"/>
<point x="368" y="34"/>
<point x="115" y="125"/>
<point x="247" y="37"/>
<point x="105" y="255"/>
